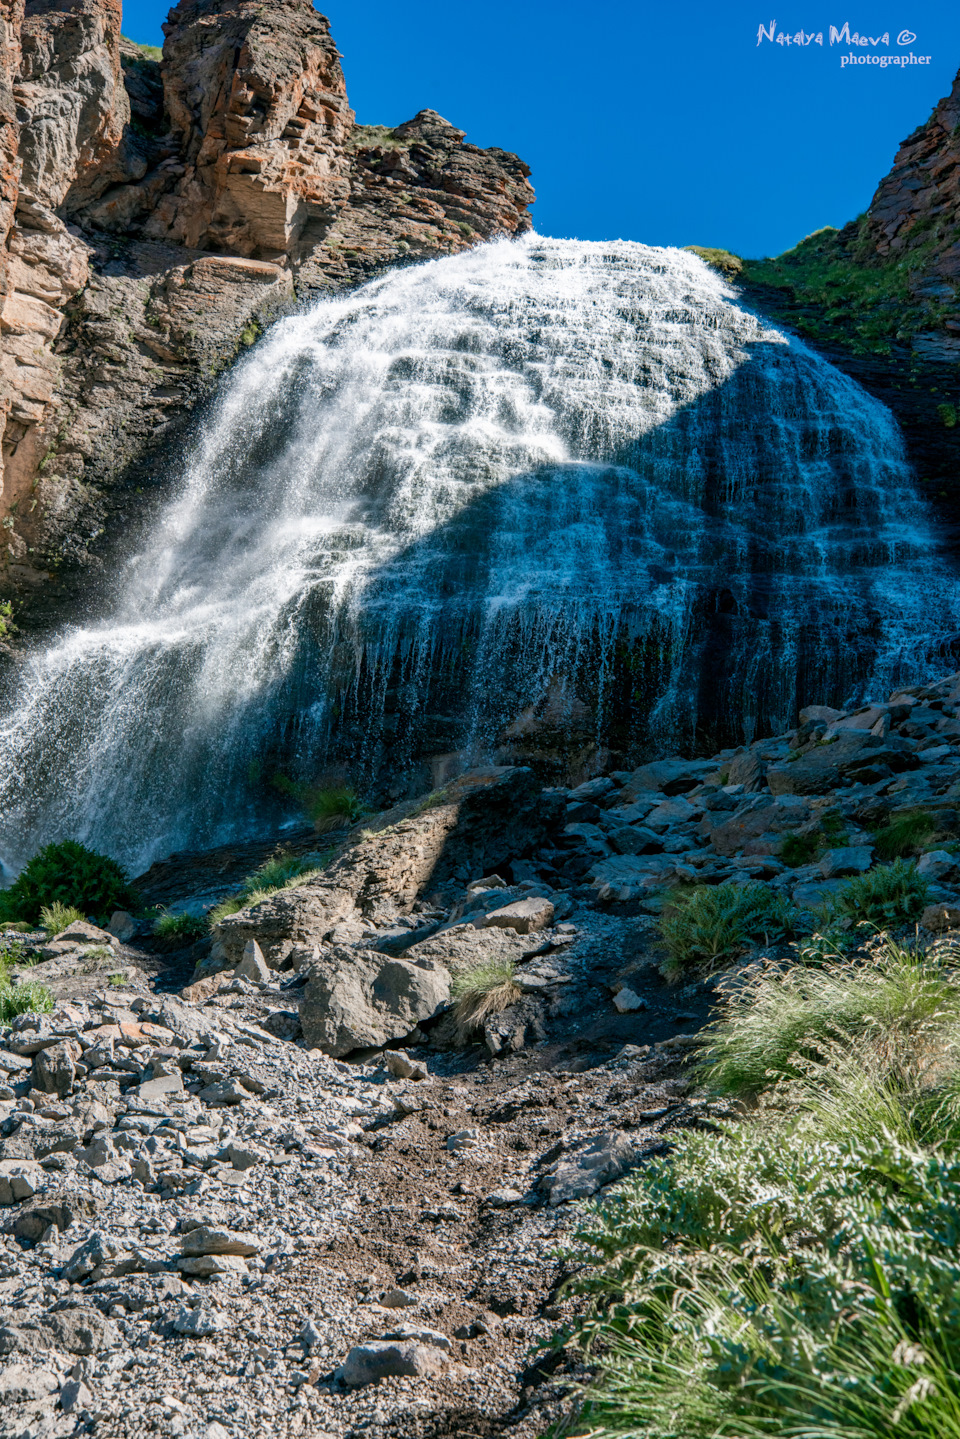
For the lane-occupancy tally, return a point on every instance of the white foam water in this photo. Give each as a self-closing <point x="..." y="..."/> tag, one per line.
<point x="543" y="478"/>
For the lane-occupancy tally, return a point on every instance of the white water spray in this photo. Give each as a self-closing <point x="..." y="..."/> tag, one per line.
<point x="539" y="475"/>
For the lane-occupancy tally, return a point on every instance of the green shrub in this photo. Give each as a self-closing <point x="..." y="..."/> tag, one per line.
<point x="71" y="875"/>
<point x="7" y="627"/>
<point x="55" y="918"/>
<point x="798" y="849"/>
<point x="180" y="929"/>
<point x="889" y="895"/>
<point x="717" y="922"/>
<point x="24" y="999"/>
<point x="775" y="1285"/>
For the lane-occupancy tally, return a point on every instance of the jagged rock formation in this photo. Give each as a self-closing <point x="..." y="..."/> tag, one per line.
<point x="915" y="213"/>
<point x="154" y="216"/>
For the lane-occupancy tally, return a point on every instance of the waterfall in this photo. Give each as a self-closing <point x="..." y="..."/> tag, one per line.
<point x="540" y="489"/>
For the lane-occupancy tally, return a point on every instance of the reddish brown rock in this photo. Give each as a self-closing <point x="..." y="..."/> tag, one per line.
<point x="256" y="189"/>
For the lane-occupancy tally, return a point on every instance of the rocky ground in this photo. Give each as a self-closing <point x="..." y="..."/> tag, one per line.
<point x="264" y="1185"/>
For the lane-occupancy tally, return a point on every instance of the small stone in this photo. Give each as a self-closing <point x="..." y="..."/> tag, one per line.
<point x="398" y="1062"/>
<point x="310" y="1336"/>
<point x="244" y="1156"/>
<point x="20" y="1179"/>
<point x="207" y="1266"/>
<point x="122" y="925"/>
<point x="55" y="1068"/>
<point x="160" y="1087"/>
<point x="398" y="1299"/>
<point x="75" y="1395"/>
<point x="380" y="1359"/>
<point x="626" y="1001"/>
<point x="526" y="916"/>
<point x="225" y="1094"/>
<point x="211" y="1239"/>
<point x="463" y="1139"/>
<point x="252" y="965"/>
<point x="93" y="1254"/>
<point x="197" y="1322"/>
<point x="503" y="1198"/>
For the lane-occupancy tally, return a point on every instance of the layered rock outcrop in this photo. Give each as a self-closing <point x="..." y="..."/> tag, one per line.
<point x="154" y="216"/>
<point x="916" y="209"/>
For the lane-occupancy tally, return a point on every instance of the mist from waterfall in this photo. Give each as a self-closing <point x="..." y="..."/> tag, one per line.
<point x="540" y="482"/>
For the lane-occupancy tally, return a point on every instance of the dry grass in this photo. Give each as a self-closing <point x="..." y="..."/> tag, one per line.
<point x="480" y="992"/>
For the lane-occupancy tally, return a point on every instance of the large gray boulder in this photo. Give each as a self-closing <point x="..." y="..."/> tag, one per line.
<point x="356" y="999"/>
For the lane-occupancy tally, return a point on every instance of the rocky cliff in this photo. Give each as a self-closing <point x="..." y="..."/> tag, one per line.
<point x="155" y="214"/>
<point x="915" y="216"/>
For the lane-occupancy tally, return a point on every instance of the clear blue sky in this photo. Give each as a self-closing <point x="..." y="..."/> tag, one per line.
<point x="662" y="122"/>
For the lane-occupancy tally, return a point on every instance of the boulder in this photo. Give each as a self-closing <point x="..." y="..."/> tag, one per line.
<point x="850" y="859"/>
<point x="252" y="964"/>
<point x="635" y="839"/>
<point x="671" y="776"/>
<point x="384" y="1358"/>
<point x="476" y="824"/>
<point x="213" y="1239"/>
<point x="850" y="755"/>
<point x="749" y="770"/>
<point x="20" y="1179"/>
<point x="939" y="917"/>
<point x="355" y="999"/>
<point x="936" y="863"/>
<point x="81" y="1330"/>
<point x="55" y="1068"/>
<point x="524" y="917"/>
<point x="763" y="815"/>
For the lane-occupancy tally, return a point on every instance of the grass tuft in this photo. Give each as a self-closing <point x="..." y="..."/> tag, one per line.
<point x="55" y="918"/>
<point x="20" y="999"/>
<point x="181" y="929"/>
<point x="904" y="836"/>
<point x="484" y="990"/>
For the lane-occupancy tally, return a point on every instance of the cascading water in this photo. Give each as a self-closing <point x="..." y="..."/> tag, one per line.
<point x="540" y="485"/>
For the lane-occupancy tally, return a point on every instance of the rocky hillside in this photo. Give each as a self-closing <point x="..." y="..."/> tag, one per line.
<point x="326" y="1188"/>
<point x="155" y="214"/>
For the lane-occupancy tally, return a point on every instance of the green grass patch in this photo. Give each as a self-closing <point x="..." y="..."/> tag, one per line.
<point x="728" y="264"/>
<point x="20" y="999"/>
<point x="864" y="306"/>
<point x="55" y="918"/>
<point x="285" y="872"/>
<point x="181" y="929"/>
<point x="716" y="922"/>
<point x="905" y="835"/>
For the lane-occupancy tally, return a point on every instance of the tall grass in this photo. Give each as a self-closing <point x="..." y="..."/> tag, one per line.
<point x="480" y="992"/>
<point x="797" y="1274"/>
